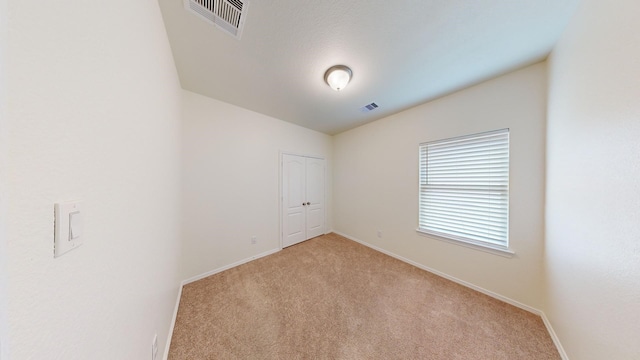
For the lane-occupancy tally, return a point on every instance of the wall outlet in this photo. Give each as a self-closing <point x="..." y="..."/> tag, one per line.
<point x="380" y="233"/>
<point x="154" y="347"/>
<point x="254" y="240"/>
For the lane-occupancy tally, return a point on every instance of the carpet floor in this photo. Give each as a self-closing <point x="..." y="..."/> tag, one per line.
<point x="332" y="298"/>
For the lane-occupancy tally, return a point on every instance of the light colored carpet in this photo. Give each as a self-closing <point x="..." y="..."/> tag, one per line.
<point x="332" y="298"/>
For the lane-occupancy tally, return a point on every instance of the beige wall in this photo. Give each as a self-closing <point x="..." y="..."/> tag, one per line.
<point x="593" y="199"/>
<point x="93" y="114"/>
<point x="376" y="181"/>
<point x="3" y="184"/>
<point x="231" y="180"/>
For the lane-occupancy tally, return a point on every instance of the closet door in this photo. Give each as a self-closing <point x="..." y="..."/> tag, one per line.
<point x="293" y="200"/>
<point x="303" y="181"/>
<point x="315" y="197"/>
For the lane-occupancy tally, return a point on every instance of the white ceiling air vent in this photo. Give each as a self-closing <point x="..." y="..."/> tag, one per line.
<point x="228" y="15"/>
<point x="369" y="107"/>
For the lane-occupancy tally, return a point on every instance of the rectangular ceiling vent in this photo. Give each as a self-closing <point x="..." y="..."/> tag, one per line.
<point x="227" y="15"/>
<point x="369" y="107"/>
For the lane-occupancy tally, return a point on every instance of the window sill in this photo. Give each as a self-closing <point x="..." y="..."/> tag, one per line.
<point x="508" y="253"/>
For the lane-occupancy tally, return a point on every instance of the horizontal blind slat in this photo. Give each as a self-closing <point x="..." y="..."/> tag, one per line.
<point x="497" y="220"/>
<point x="475" y="149"/>
<point x="454" y="158"/>
<point x="466" y="233"/>
<point x="466" y="237"/>
<point x="455" y="221"/>
<point x="477" y="203"/>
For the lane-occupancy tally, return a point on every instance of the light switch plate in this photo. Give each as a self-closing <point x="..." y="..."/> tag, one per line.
<point x="63" y="241"/>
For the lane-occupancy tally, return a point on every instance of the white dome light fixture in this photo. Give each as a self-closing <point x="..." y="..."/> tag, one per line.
<point x="337" y="77"/>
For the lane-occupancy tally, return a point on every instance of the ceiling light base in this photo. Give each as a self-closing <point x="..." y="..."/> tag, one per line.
<point x="338" y="76"/>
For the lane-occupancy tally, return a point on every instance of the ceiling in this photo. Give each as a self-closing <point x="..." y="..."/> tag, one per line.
<point x="402" y="53"/>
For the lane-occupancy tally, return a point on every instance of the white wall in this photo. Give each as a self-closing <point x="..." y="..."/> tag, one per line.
<point x="3" y="185"/>
<point x="94" y="114"/>
<point x="231" y="169"/>
<point x="593" y="198"/>
<point x="376" y="181"/>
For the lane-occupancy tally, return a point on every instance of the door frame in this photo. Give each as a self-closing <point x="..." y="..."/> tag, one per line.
<point x="281" y="196"/>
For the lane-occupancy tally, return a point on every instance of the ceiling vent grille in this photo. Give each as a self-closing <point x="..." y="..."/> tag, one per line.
<point x="228" y="15"/>
<point x="369" y="107"/>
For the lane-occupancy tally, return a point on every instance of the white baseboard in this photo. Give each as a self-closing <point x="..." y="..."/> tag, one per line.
<point x="502" y="298"/>
<point x="227" y="267"/>
<point x="554" y="336"/>
<point x="173" y="324"/>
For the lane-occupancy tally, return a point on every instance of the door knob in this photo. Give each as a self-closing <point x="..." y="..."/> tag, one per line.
<point x="303" y="204"/>
<point x="308" y="203"/>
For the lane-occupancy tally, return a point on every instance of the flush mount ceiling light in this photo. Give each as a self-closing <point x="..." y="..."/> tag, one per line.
<point x="337" y="77"/>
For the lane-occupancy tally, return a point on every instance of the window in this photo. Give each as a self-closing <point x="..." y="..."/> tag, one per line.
<point x="464" y="189"/>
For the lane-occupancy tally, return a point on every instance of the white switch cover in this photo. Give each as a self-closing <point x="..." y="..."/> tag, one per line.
<point x="68" y="227"/>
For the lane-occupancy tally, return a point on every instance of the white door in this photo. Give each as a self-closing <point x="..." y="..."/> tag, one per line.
<point x="315" y="197"/>
<point x="294" y="220"/>
<point x="302" y="198"/>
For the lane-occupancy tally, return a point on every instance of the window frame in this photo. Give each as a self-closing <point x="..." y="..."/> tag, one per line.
<point x="487" y="246"/>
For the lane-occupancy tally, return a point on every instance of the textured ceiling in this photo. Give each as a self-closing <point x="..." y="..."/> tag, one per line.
<point x="402" y="53"/>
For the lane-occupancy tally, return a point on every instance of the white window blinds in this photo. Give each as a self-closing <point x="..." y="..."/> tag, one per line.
<point x="464" y="188"/>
